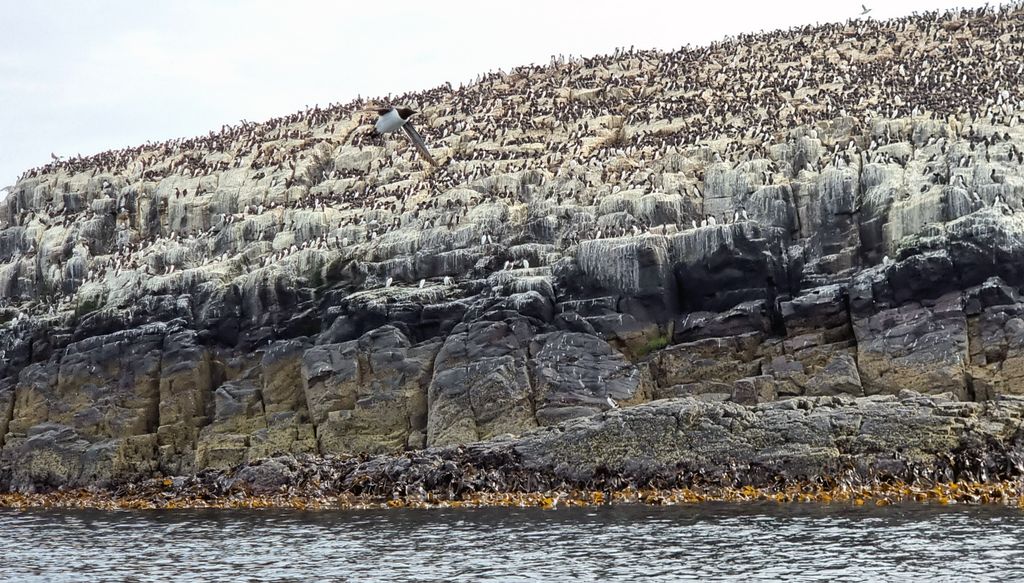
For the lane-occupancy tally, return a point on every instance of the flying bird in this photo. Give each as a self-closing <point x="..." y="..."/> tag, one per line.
<point x="864" y="10"/>
<point x="393" y="118"/>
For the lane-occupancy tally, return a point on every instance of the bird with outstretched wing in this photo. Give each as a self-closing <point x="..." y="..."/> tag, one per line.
<point x="392" y="118"/>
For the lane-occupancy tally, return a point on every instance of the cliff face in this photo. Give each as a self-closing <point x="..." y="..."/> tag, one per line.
<point x="826" y="211"/>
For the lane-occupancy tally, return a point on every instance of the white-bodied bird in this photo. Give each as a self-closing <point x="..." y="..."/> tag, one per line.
<point x="393" y="118"/>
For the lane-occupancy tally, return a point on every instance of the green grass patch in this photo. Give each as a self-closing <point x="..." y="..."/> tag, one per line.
<point x="656" y="343"/>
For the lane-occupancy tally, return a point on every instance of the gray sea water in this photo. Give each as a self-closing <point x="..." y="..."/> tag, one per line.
<point x="622" y="543"/>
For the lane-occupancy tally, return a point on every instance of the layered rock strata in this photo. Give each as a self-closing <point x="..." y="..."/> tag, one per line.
<point x="602" y="233"/>
<point x="829" y="442"/>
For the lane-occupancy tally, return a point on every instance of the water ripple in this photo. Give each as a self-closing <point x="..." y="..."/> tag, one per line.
<point x="624" y="543"/>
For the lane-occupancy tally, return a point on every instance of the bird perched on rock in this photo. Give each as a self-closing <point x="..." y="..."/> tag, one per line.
<point x="393" y="118"/>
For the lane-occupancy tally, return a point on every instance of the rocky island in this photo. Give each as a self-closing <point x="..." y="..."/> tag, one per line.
<point x="785" y="262"/>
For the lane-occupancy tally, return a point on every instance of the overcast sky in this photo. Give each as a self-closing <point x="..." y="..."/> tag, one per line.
<point x="82" y="77"/>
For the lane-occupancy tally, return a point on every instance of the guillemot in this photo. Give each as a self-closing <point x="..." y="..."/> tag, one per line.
<point x="393" y="118"/>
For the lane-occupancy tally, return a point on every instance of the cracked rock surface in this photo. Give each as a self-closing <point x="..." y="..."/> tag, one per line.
<point x="649" y="257"/>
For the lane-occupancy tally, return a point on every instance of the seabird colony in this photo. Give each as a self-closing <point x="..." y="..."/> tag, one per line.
<point x="560" y="138"/>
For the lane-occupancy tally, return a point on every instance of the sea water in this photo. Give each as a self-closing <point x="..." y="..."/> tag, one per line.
<point x="619" y="543"/>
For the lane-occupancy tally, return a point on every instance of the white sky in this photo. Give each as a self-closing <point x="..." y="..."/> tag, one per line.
<point x="82" y="77"/>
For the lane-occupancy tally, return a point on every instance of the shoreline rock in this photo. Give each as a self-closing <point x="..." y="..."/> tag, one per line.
<point x="886" y="494"/>
<point x="676" y="444"/>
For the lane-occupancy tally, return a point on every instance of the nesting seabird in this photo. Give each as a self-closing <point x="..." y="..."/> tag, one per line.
<point x="393" y="118"/>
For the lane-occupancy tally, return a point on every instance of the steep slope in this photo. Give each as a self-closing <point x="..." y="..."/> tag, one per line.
<point x="819" y="211"/>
